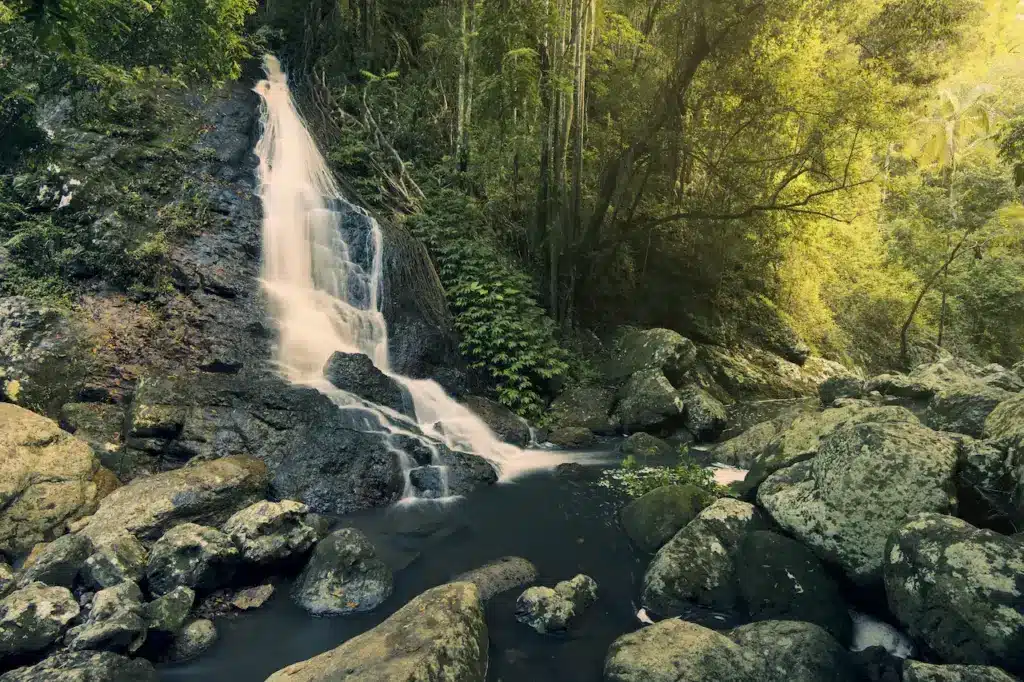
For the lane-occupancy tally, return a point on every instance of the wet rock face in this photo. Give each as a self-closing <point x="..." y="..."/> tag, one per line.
<point x="47" y="479"/>
<point x="34" y="617"/>
<point x="356" y="373"/>
<point x="548" y="610"/>
<point x="959" y="589"/>
<point x="191" y="556"/>
<point x="268" y="532"/>
<point x="85" y="666"/>
<point x="587" y="407"/>
<point x="344" y="575"/>
<point x="506" y="425"/>
<point x="440" y="634"/>
<point x="865" y="480"/>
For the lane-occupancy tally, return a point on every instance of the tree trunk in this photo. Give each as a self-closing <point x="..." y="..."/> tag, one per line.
<point x="904" y="332"/>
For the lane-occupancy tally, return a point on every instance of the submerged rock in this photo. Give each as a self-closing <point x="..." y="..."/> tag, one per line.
<point x="85" y="666"/>
<point x="916" y="671"/>
<point x="499" y="576"/>
<point x="648" y="401"/>
<point x="47" y="479"/>
<point x="866" y="479"/>
<point x="34" y="617"/>
<point x="440" y="635"/>
<point x="194" y="639"/>
<point x="506" y="425"/>
<point x="192" y="556"/>
<point x="548" y="610"/>
<point x="804" y="650"/>
<point x="587" y="407"/>
<point x="653" y="518"/>
<point x="959" y="589"/>
<point x="271" y="531"/>
<point x="344" y="575"/>
<point x="356" y="373"/>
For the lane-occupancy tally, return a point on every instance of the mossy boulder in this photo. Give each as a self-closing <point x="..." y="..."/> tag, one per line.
<point x="192" y="556"/>
<point x="500" y="575"/>
<point x="572" y="437"/>
<point x="704" y="416"/>
<point x="648" y="402"/>
<point x="916" y="671"/>
<point x="643" y="445"/>
<point x="551" y="610"/>
<point x="344" y="575"/>
<point x="805" y="649"/>
<point x="267" y="532"/>
<point x="34" y="617"/>
<point x="587" y="407"/>
<point x="964" y="407"/>
<point x="636" y="350"/>
<point x="85" y="666"/>
<point x="650" y="520"/>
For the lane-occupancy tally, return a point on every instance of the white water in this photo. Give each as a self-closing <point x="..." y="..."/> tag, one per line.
<point x="322" y="300"/>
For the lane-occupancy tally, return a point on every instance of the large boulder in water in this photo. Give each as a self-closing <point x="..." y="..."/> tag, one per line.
<point x="648" y="402"/>
<point x="807" y="651"/>
<point x="549" y="610"/>
<point x="191" y="556"/>
<point x="587" y="407"/>
<point x="499" y="576"/>
<point x="356" y="373"/>
<point x="959" y="589"/>
<point x="440" y="635"/>
<point x="47" y="479"/>
<point x="344" y="575"/>
<point x="637" y="350"/>
<point x="506" y="425"/>
<point x="85" y="666"/>
<point x="865" y="480"/>
<point x="653" y="518"/>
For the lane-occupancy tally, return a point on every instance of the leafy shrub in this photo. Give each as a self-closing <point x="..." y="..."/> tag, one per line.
<point x="636" y="480"/>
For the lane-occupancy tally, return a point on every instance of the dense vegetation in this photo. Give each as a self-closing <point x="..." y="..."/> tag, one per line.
<point x="848" y="169"/>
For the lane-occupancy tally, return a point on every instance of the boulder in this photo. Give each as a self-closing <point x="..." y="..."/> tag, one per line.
<point x="85" y="666"/>
<point x="781" y="580"/>
<point x="344" y="575"/>
<point x="571" y="437"/>
<point x="251" y="598"/>
<point x="587" y="407"/>
<point x="1005" y="424"/>
<point x="119" y="557"/>
<point x="6" y="578"/>
<point x="194" y="639"/>
<point x="696" y="565"/>
<point x="901" y="386"/>
<point x="205" y="493"/>
<point x="500" y="575"/>
<point x="506" y="425"/>
<point x="798" y="646"/>
<point x="166" y="615"/>
<point x="745" y="448"/>
<point x="34" y="617"/>
<point x="959" y="590"/>
<point x="271" y="531"/>
<point x="704" y="417"/>
<point x="637" y="350"/>
<point x="653" y="518"/>
<point x="950" y="370"/>
<point x="835" y="388"/>
<point x="440" y="634"/>
<point x="677" y="651"/>
<point x="876" y="664"/>
<point x="548" y="610"/>
<point x="58" y="563"/>
<point x="866" y="479"/>
<point x="115" y="622"/>
<point x="988" y="481"/>
<point x="643" y="445"/>
<point x="47" y="479"/>
<point x="192" y="556"/>
<point x="916" y="671"/>
<point x="963" y="408"/>
<point x="648" y="402"/>
<point x="356" y="373"/>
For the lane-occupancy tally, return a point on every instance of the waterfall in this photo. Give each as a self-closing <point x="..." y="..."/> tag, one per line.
<point x="323" y="282"/>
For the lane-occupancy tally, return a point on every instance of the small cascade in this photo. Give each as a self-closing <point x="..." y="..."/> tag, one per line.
<point x="322" y="267"/>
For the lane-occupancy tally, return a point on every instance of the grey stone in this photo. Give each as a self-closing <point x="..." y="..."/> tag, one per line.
<point x="653" y="518"/>
<point x="356" y="373"/>
<point x="506" y="425"/>
<point x="704" y="417"/>
<point x="587" y="407"/>
<point x="796" y="647"/>
<point x="34" y="617"/>
<point x="548" y="610"/>
<point x="59" y="562"/>
<point x="166" y="615"/>
<point x="500" y="575"/>
<point x="193" y="640"/>
<point x="571" y="437"/>
<point x="664" y="350"/>
<point x="988" y="481"/>
<point x="119" y="557"/>
<point x="643" y="445"/>
<point x="344" y="575"/>
<point x="916" y="671"/>
<point x="193" y="556"/>
<point x="85" y="666"/>
<point x="271" y="531"/>
<point x="963" y="408"/>
<point x="648" y="401"/>
<point x="835" y="388"/>
<point x="115" y="622"/>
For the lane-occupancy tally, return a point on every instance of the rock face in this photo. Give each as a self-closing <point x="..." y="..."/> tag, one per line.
<point x="989" y="485"/>
<point x="653" y="518"/>
<point x="85" y="666"/>
<point x="344" y="575"/>
<point x="704" y="417"/>
<point x="192" y="556"/>
<point x="119" y="557"/>
<point x="648" y="402"/>
<point x="834" y="388"/>
<point x="34" y="617"/>
<point x="47" y="479"/>
<point x="959" y="589"/>
<point x="505" y="424"/>
<point x="916" y="671"/>
<point x="271" y="531"/>
<point x="696" y="565"/>
<point x="440" y="635"/>
<point x="58" y="563"/>
<point x="356" y="373"/>
<point x="115" y="622"/>
<point x="205" y="493"/>
<point x="549" y="610"/>
<point x="166" y="615"/>
<point x="805" y="650"/>
<point x="963" y="408"/>
<point x="780" y="579"/>
<point x="664" y="350"/>
<point x="500" y="575"/>
<point x="587" y="407"/>
<point x="866" y="479"/>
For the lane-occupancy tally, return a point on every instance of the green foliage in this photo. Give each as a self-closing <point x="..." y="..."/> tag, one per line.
<point x="636" y="480"/>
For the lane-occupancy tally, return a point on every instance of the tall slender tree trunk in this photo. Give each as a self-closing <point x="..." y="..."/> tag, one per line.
<point x="465" y="89"/>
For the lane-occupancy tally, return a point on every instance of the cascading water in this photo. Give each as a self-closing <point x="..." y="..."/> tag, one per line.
<point x="323" y="284"/>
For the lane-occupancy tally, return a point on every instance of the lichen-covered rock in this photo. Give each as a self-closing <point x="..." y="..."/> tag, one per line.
<point x="58" y="563"/>
<point x="119" y="557"/>
<point x="506" y="424"/>
<point x="356" y="373"/>
<point x="653" y="518"/>
<point x="98" y="424"/>
<point x="645" y="445"/>
<point x="835" y="388"/>
<point x="677" y="651"/>
<point x="115" y="622"/>
<point x="916" y="671"/>
<point x="192" y="641"/>
<point x="548" y="610"/>
<point x="796" y="646"/>
<point x="166" y="615"/>
<point x="963" y="408"/>
<point x="47" y="479"/>
<point x="6" y="578"/>
<point x="959" y="589"/>
<point x="34" y="617"/>
<point x="344" y="575"/>
<point x="571" y="437"/>
<point x="704" y="416"/>
<point x="1005" y="424"/>
<point x="989" y="485"/>
<point x="271" y="531"/>
<point x="587" y="407"/>
<point x="781" y="580"/>
<point x="85" y="666"/>
<point x="440" y="635"/>
<point x="206" y="493"/>
<point x="500" y="576"/>
<point x="696" y="565"/>
<point x="663" y="350"/>
<point x="866" y="479"/>
<point x="742" y="450"/>
<point x="950" y="370"/>
<point x="648" y="401"/>
<point x="191" y="555"/>
<point x="901" y="386"/>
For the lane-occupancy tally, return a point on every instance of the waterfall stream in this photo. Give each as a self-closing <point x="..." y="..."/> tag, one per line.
<point x="323" y="282"/>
